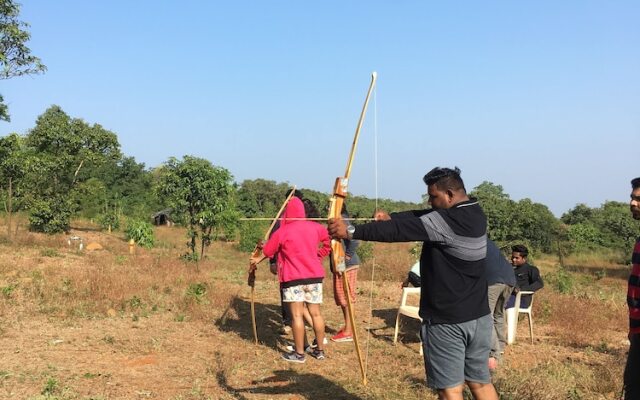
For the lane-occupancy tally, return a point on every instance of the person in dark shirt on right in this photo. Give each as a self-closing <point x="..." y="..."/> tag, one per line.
<point x="527" y="276"/>
<point x="632" y="369"/>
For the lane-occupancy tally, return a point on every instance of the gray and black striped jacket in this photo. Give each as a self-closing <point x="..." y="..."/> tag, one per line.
<point x="452" y="264"/>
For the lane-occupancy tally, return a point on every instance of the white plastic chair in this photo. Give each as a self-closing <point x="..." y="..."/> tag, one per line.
<point x="512" y="317"/>
<point x="407" y="310"/>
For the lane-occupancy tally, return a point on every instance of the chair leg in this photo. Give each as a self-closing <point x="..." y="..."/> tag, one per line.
<point x="512" y="324"/>
<point x="395" y="334"/>
<point x="530" y="327"/>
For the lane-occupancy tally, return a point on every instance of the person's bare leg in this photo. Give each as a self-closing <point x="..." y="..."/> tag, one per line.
<point x="453" y="393"/>
<point x="483" y="391"/>
<point x="318" y="324"/>
<point x="348" y="330"/>
<point x="297" y="325"/>
<point x="307" y="316"/>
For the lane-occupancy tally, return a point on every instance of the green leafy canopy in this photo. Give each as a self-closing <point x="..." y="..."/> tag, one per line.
<point x="15" y="57"/>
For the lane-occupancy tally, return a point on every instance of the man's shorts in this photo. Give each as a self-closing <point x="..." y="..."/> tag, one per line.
<point x="310" y="293"/>
<point x="455" y="353"/>
<point x="338" y="286"/>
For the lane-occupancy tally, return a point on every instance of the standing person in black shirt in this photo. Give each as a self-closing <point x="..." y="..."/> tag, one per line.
<point x="456" y="329"/>
<point x="501" y="282"/>
<point x="527" y="276"/>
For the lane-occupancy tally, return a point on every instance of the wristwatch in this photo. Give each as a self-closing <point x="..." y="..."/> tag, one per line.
<point x="350" y="231"/>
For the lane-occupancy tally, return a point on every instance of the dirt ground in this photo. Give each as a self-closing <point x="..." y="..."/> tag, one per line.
<point x="158" y="357"/>
<point x="107" y="325"/>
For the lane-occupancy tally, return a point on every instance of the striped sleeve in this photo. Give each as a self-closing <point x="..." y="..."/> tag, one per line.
<point x="459" y="246"/>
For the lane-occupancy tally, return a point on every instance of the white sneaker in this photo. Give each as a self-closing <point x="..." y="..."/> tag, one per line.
<point x="314" y="344"/>
<point x="291" y="348"/>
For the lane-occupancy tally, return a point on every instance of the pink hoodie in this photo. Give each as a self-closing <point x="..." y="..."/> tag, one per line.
<point x="300" y="246"/>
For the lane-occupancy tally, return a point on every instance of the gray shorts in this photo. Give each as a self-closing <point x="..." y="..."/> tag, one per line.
<point x="455" y="353"/>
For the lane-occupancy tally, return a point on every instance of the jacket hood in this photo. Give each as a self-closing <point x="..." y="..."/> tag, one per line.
<point x="295" y="209"/>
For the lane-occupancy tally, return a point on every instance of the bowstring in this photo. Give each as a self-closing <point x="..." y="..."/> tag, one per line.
<point x="373" y="262"/>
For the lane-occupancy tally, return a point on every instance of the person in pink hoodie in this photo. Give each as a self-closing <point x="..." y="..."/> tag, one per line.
<point x="300" y="246"/>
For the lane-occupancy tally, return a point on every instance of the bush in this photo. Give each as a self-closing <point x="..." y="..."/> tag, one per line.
<point x="196" y="291"/>
<point x="109" y="219"/>
<point x="190" y="257"/>
<point x="365" y="251"/>
<point x="585" y="236"/>
<point x="141" y="232"/>
<point x="226" y="225"/>
<point x="50" y="216"/>
<point x="250" y="234"/>
<point x="563" y="281"/>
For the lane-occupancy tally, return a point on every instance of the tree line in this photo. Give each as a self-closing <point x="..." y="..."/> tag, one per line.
<point x="65" y="168"/>
<point x="607" y="228"/>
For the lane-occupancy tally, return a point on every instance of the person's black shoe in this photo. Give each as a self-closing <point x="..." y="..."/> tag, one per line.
<point x="317" y="354"/>
<point x="294" y="357"/>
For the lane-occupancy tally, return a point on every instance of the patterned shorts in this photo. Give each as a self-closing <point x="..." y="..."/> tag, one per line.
<point x="311" y="293"/>
<point x="338" y="286"/>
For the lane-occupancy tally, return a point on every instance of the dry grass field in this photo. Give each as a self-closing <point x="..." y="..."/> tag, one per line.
<point x="105" y="324"/>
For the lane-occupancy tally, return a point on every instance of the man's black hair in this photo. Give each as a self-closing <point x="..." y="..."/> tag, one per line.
<point x="635" y="183"/>
<point x="445" y="179"/>
<point x="310" y="209"/>
<point x="344" y="209"/>
<point x="520" y="248"/>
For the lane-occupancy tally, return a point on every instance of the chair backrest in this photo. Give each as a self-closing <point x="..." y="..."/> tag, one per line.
<point x="518" y="299"/>
<point x="406" y="291"/>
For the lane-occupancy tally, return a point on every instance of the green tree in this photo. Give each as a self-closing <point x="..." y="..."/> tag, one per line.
<point x="580" y="214"/>
<point x="261" y="197"/>
<point x="201" y="195"/>
<point x="59" y="147"/>
<point x="15" y="57"/>
<point x="584" y="235"/>
<point x="608" y="226"/>
<point x="12" y="169"/>
<point x="122" y="187"/>
<point x="537" y="224"/>
<point x="617" y="226"/>
<point x="499" y="209"/>
<point x="523" y="221"/>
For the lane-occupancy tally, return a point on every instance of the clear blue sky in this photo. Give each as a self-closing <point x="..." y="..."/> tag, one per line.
<point x="541" y="97"/>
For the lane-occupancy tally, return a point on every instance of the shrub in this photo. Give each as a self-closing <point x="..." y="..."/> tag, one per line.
<point x="51" y="387"/>
<point x="190" y="257"/>
<point x="196" y="291"/>
<point x="50" y="217"/>
<point x="141" y="232"/>
<point x="250" y="234"/>
<point x="135" y="302"/>
<point x="49" y="252"/>
<point x="7" y="291"/>
<point x="585" y="236"/>
<point x="563" y="281"/>
<point x="109" y="219"/>
<point x="365" y="251"/>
